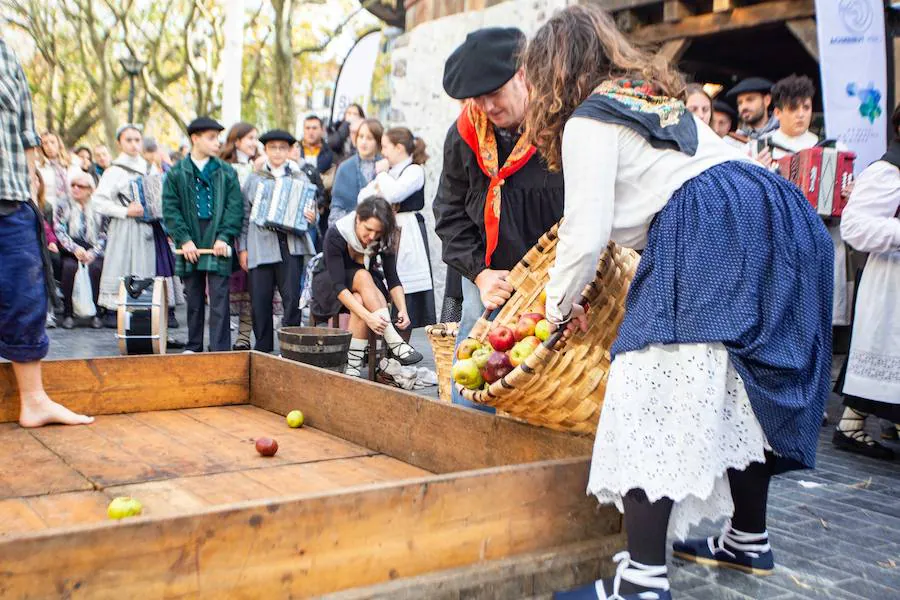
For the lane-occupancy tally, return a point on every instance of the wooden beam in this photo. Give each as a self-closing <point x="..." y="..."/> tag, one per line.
<point x="673" y="50"/>
<point x="106" y="386"/>
<point x="617" y="5"/>
<point x="722" y="5"/>
<point x="805" y="32"/>
<point x="431" y="435"/>
<point x="675" y="10"/>
<point x="315" y="544"/>
<point x="525" y="576"/>
<point x="744" y="17"/>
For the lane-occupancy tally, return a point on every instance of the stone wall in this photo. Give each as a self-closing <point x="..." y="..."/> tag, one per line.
<point x="418" y="100"/>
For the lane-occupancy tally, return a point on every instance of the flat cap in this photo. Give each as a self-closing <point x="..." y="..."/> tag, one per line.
<point x="483" y="63"/>
<point x="724" y="107"/>
<point x="750" y="85"/>
<point x="201" y="124"/>
<point x="277" y="135"/>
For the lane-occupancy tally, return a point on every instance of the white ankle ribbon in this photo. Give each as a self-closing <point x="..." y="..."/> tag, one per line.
<point x="751" y="544"/>
<point x="639" y="574"/>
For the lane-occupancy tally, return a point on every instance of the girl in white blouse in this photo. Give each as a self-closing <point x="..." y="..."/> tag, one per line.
<point x="725" y="349"/>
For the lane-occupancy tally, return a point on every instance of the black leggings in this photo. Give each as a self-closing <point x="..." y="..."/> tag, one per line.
<point x="646" y="522"/>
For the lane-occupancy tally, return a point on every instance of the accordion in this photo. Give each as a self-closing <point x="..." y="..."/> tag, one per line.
<point x="281" y="203"/>
<point x="146" y="189"/>
<point x="821" y="174"/>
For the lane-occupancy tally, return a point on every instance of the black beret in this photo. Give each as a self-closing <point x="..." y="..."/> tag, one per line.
<point x="724" y="107"/>
<point x="483" y="63"/>
<point x="278" y="135"/>
<point x="749" y="85"/>
<point x="201" y="124"/>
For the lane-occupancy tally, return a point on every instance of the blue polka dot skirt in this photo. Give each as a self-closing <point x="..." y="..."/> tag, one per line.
<point x="739" y="256"/>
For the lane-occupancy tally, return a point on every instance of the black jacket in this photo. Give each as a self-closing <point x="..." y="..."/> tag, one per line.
<point x="532" y="202"/>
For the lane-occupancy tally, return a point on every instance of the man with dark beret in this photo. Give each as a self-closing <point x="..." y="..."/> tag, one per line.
<point x="753" y="97"/>
<point x="496" y="196"/>
<point x="203" y="208"/>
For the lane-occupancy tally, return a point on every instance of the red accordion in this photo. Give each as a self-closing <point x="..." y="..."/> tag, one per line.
<point x="821" y="174"/>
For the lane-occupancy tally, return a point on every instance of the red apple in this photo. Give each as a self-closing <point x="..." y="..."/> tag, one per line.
<point x="465" y="373"/>
<point x="497" y="367"/>
<point x="467" y="348"/>
<point x="266" y="446"/>
<point x="502" y="339"/>
<point x="525" y="326"/>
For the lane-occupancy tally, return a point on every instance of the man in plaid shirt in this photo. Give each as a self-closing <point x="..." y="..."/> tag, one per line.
<point x="23" y="291"/>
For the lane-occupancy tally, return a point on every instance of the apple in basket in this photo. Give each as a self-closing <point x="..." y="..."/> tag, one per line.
<point x="543" y="297"/>
<point x="467" y="348"/>
<point x="465" y="372"/>
<point x="497" y="367"/>
<point x="523" y="350"/>
<point x="543" y="330"/>
<point x="481" y="356"/>
<point x="525" y="326"/>
<point x="502" y="339"/>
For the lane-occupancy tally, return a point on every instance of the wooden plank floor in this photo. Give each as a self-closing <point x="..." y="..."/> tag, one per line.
<point x="174" y="462"/>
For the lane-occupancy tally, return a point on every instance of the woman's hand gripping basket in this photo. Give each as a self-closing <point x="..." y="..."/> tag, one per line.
<point x="561" y="384"/>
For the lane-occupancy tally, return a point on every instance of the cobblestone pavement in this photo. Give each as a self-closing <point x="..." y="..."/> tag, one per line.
<point x="835" y="530"/>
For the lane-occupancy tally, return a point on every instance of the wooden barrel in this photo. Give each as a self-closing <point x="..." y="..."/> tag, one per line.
<point x="318" y="346"/>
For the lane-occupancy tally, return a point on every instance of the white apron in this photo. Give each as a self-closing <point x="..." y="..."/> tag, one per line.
<point x="873" y="368"/>
<point x="412" y="259"/>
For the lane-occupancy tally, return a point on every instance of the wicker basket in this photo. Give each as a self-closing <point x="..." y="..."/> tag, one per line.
<point x="561" y="385"/>
<point x="443" y="344"/>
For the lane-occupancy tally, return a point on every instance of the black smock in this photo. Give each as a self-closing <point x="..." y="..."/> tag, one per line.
<point x="532" y="202"/>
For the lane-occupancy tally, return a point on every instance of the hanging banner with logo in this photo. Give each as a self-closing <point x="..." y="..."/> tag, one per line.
<point x="854" y="75"/>
<point x="354" y="81"/>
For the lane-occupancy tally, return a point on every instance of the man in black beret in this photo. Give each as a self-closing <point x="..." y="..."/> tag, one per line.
<point x="489" y="170"/>
<point x="753" y="96"/>
<point x="203" y="208"/>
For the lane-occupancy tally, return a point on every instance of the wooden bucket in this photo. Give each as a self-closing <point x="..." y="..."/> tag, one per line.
<point x="323" y="347"/>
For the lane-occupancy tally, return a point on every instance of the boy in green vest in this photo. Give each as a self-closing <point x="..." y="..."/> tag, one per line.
<point x="204" y="209"/>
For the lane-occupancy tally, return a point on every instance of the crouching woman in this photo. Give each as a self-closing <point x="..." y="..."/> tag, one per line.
<point x="360" y="274"/>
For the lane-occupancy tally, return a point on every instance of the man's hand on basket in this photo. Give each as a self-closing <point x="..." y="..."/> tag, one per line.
<point x="494" y="288"/>
<point x="577" y="321"/>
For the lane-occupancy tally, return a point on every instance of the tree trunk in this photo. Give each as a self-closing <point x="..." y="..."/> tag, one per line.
<point x="283" y="62"/>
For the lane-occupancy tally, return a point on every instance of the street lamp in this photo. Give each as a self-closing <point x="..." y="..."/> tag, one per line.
<point x="133" y="67"/>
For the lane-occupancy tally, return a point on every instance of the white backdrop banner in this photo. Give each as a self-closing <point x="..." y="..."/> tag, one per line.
<point x="354" y="82"/>
<point x="854" y="75"/>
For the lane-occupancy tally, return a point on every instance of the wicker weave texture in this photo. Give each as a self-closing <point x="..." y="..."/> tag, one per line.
<point x="560" y="388"/>
<point x="443" y="344"/>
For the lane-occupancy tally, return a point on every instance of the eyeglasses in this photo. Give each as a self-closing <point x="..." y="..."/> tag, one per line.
<point x="81" y="186"/>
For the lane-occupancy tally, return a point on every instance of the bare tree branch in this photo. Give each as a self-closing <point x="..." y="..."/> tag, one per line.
<point x="336" y="32"/>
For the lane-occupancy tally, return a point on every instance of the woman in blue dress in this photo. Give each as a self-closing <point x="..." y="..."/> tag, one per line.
<point x="722" y="362"/>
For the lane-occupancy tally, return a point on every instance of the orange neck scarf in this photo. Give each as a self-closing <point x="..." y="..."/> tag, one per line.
<point x="478" y="133"/>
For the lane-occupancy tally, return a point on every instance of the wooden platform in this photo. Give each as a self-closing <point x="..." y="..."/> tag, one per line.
<point x="175" y="462"/>
<point x="382" y="494"/>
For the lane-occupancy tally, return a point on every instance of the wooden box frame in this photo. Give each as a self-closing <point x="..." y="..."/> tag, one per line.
<point x="505" y="516"/>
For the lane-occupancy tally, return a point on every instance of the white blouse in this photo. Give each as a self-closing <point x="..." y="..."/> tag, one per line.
<point x="394" y="187"/>
<point x="869" y="222"/>
<point x="616" y="182"/>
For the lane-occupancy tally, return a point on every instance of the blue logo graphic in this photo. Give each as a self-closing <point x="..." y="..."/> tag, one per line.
<point x="869" y="100"/>
<point x="856" y="14"/>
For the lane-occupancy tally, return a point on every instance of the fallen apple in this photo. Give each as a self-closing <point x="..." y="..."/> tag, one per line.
<point x="266" y="446"/>
<point x="502" y="338"/>
<point x="466" y="373"/>
<point x="467" y="348"/>
<point x="543" y="330"/>
<point x="481" y="356"/>
<point x="497" y="367"/>
<point x="294" y="419"/>
<point x="123" y="507"/>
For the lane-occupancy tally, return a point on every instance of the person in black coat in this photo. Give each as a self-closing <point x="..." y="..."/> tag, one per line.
<point x="483" y="72"/>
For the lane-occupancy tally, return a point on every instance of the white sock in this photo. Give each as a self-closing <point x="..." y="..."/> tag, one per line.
<point x="390" y="334"/>
<point x="357" y="352"/>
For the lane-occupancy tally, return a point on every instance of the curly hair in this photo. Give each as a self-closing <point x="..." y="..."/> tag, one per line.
<point x="792" y="90"/>
<point x="575" y="51"/>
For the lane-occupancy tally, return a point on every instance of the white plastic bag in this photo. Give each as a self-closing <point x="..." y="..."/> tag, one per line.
<point x="83" y="293"/>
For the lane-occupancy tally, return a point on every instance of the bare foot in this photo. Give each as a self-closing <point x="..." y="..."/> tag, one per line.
<point x="39" y="410"/>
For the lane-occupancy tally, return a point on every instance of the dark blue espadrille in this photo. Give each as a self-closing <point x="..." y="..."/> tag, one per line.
<point x="748" y="552"/>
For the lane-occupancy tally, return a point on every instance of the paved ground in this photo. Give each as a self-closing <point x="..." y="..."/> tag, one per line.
<point x="835" y="531"/>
